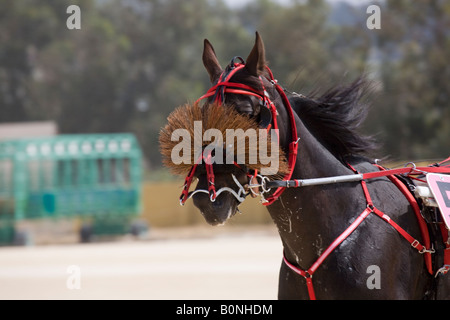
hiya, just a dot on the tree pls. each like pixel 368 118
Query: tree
pixel 25 28
pixel 413 110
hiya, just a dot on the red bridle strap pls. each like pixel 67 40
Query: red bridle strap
pixel 293 145
pixel 246 90
pixel 209 176
pixel 187 184
pixel 223 86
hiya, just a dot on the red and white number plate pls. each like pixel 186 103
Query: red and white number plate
pixel 440 188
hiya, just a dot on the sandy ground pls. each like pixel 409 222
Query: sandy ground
pixel 226 265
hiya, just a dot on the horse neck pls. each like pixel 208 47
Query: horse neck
pixel 313 159
pixel 300 212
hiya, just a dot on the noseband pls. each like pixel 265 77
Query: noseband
pixel 268 119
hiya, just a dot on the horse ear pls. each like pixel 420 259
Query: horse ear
pixel 210 61
pixel 256 60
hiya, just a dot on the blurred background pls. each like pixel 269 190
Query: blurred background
pixel 81 109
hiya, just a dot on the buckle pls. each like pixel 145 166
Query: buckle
pixel 415 243
pixel 424 250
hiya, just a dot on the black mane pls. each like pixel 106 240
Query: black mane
pixel 335 117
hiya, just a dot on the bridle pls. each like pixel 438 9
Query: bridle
pixel 268 117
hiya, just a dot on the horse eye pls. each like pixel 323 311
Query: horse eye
pixel 246 108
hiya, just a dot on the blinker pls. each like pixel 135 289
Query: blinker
pixel 265 116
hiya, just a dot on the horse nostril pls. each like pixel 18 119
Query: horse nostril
pixel 217 203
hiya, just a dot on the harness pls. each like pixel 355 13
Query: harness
pixel 225 85
pixel 426 248
pixel 217 92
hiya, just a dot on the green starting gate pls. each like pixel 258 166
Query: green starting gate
pixel 95 176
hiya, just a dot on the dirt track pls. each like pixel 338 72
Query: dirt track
pixel 228 266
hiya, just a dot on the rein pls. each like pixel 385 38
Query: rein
pixel 217 92
pixel 296 183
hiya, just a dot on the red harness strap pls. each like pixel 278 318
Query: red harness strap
pixel 422 224
pixel 405 170
pixel 446 238
pixel 307 274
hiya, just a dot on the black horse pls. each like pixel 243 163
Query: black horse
pixel 310 218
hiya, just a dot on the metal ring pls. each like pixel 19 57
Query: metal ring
pixel 264 181
pixel 413 165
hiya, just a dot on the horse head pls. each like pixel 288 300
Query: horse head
pixel 249 89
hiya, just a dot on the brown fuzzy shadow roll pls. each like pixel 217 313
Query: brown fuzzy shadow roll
pixel 226 120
